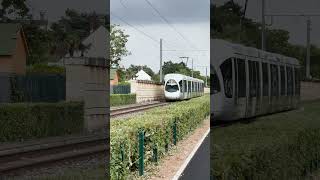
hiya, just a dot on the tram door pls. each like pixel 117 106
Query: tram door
pixel 254 90
pixel 240 82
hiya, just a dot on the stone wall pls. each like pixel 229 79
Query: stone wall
pixel 310 91
pixel 87 81
pixel 147 91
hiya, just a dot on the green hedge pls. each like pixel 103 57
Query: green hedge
pixel 280 146
pixel 44 68
pixel 157 126
pixel 122 99
pixel 25 121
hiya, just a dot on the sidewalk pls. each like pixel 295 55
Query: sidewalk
pixel 179 156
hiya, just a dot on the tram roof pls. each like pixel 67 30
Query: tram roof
pixel 181 77
pixel 222 50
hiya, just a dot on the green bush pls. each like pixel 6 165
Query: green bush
pixel 122 99
pixel 25 121
pixel 280 146
pixel 44 68
pixel 157 126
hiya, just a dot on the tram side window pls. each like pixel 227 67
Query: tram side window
pixel 283 81
pixel 241 78
pixel 274 80
pixel 181 86
pixel 185 86
pixel 226 70
pixel 290 80
pixel 258 78
pixel 252 79
pixel 297 81
pixel 215 83
pixel 265 77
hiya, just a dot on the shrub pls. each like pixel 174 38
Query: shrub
pixel 122 99
pixel 280 146
pixel 44 68
pixel 24 121
pixel 157 127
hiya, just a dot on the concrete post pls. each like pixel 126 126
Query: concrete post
pixel 87 80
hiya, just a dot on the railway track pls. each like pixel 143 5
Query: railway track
pixel 27 155
pixel 135 108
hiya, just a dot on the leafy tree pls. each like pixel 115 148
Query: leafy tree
pixel 70 30
pixel 225 24
pixel 118 40
pixel 133 69
pixel 180 68
pixel 14 7
pixel 38 41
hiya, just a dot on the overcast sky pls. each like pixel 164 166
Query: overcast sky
pixel 295 25
pixel 55 8
pixel 190 18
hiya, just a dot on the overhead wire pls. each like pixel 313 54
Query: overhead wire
pixel 170 43
pixel 142 32
pixel 166 20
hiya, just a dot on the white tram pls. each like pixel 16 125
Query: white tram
pixel 247 82
pixel 179 87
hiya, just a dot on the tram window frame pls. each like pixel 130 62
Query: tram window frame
pixel 265 79
pixel 274 80
pixel 172 89
pixel 289 81
pixel 181 86
pixel 242 78
pixel 252 79
pixel 297 81
pixel 214 81
pixel 185 86
pixel 258 80
pixel 226 71
pixel 283 81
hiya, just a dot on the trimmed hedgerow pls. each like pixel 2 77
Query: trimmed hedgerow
pixel 44 68
pixel 157 127
pixel 122 99
pixel 279 146
pixel 22 121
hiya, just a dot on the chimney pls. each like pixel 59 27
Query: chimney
pixel 42 14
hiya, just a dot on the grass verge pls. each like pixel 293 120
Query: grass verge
pixel 280 146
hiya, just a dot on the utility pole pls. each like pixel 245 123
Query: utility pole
pixel 263 26
pixel 207 76
pixel 192 68
pixel 161 61
pixel 308 49
pixel 308 45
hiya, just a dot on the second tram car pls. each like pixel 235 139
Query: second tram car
pixel 180 87
pixel 247 82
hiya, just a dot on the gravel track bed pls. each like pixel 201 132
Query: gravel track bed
pixel 59 168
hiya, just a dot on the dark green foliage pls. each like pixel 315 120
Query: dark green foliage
pixel 280 146
pixel 44 68
pixel 157 125
pixel 27 121
pixel 181 68
pixel 226 20
pixel 122 99
pixel 18 7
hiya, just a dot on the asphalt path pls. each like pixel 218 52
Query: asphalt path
pixel 199 166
